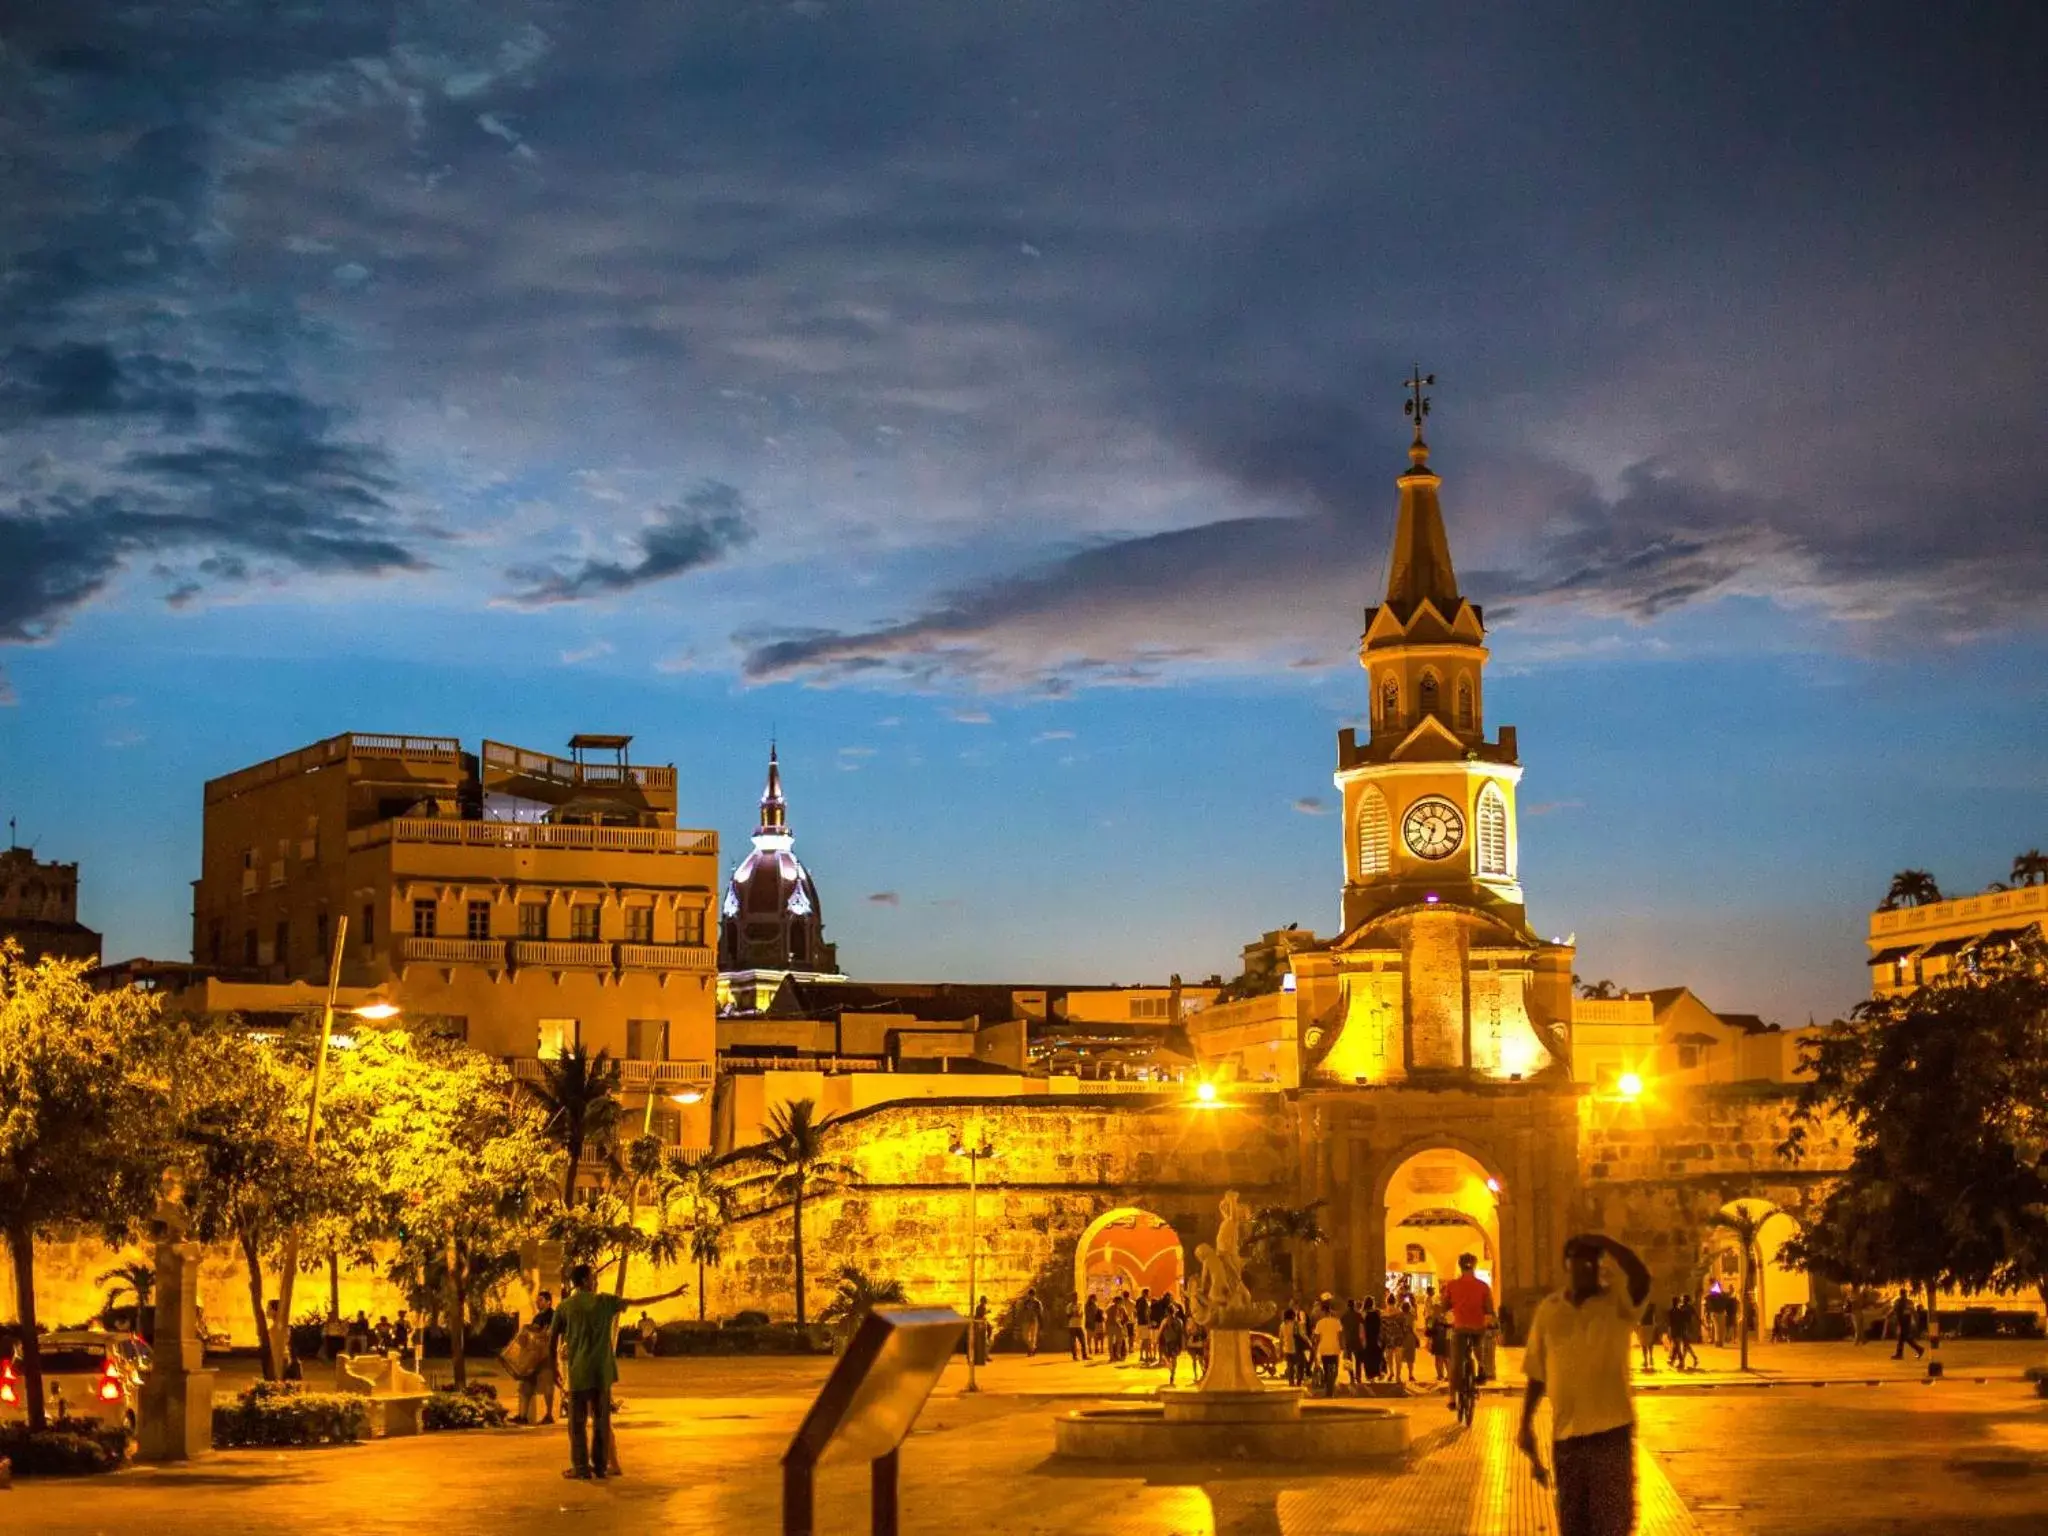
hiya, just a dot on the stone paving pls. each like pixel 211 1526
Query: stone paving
pixel 701 1441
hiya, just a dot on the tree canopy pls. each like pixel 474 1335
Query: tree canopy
pixel 1947 1089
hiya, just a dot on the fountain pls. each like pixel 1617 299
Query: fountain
pixel 1230 1413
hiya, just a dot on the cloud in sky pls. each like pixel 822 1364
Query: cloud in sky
pixel 583 653
pixel 885 899
pixel 708 524
pixel 1311 805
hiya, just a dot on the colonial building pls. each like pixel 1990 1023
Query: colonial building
pixel 39 908
pixel 525 901
pixel 1910 946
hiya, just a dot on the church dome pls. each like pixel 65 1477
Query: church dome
pixel 771 918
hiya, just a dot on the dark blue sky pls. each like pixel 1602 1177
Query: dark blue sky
pixel 1001 402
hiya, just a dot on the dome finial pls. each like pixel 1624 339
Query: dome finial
pixel 1415 408
pixel 774 815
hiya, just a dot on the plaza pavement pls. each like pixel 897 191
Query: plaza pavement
pixel 701 1439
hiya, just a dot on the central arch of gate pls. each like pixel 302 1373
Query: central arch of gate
pixel 1412 1178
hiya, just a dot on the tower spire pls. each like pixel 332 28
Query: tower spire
pixel 1421 566
pixel 774 813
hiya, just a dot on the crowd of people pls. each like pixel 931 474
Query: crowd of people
pixel 1157 1330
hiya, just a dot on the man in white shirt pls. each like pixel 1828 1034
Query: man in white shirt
pixel 1578 1353
pixel 1329 1340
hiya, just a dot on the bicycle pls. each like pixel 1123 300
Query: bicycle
pixel 1465 1381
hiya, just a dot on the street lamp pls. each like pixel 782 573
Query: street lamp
pixel 377 1010
pixel 975 1157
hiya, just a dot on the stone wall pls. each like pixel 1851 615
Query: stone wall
pixel 903 1212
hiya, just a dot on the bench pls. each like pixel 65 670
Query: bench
pixel 396 1394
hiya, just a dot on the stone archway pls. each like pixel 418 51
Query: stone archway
pixel 1435 1201
pixel 1776 1284
pixel 1126 1250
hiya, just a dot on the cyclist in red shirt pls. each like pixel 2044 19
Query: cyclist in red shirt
pixel 1471 1302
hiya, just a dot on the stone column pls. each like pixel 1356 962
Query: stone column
pixel 176 1415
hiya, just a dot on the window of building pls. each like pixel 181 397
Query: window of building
pixel 647 1039
pixel 426 917
pixel 667 1126
pixel 639 925
pixel 1390 703
pixel 1427 703
pixel 1464 704
pixel 1688 1056
pixel 533 920
pixel 248 858
pixel 1493 831
pixel 558 1036
pixel 1374 833
pixel 690 926
pixel 583 919
pixel 478 922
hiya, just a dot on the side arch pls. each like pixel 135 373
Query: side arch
pixel 1491 829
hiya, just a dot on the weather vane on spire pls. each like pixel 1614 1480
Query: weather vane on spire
pixel 1418 407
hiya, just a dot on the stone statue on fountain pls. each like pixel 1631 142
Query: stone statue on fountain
pixel 1222 1303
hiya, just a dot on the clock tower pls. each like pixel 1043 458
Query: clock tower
pixel 1437 969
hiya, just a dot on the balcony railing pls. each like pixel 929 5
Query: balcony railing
pixel 665 957
pixel 555 953
pixel 2029 899
pixel 632 1074
pixel 562 770
pixel 454 951
pixel 433 749
pixel 532 835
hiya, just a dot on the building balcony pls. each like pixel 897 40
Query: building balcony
pixel 453 951
pixel 567 772
pixel 633 1075
pixel 2029 903
pixel 531 836
pixel 666 957
pixel 442 751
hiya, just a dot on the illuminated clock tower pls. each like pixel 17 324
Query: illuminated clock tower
pixel 1436 969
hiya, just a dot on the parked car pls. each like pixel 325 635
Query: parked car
pixel 87 1374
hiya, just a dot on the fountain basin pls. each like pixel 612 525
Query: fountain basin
pixel 1270 1426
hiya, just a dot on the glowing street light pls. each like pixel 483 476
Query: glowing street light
pixel 1205 1093
pixel 376 1012
pixel 975 1157
pixel 1630 1085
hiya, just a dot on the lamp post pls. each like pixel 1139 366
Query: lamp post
pixel 372 1011
pixel 975 1156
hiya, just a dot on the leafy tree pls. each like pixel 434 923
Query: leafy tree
pixel 1277 1231
pixel 699 1188
pixel 1947 1090
pixel 242 1126
pixel 135 1280
pixel 795 1151
pixel 579 1094
pixel 83 1119
pixel 1910 888
pixel 1603 989
pixel 856 1295
pixel 2030 868
pixel 1743 1220
pixel 462 1167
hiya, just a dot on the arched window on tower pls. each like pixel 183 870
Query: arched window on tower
pixel 1426 703
pixel 1464 703
pixel 1375 833
pixel 1390 703
pixel 1493 831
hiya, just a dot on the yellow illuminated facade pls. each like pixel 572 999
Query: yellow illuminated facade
pixel 1911 946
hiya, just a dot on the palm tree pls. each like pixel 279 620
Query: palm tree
pixel 136 1279
pixel 1910 888
pixel 580 1094
pixel 1743 1223
pixel 699 1185
pixel 1275 1230
pixel 1602 989
pixel 2030 868
pixel 859 1294
pixel 796 1151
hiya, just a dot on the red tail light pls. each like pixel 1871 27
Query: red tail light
pixel 8 1395
pixel 110 1390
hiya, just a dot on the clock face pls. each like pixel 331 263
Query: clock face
pixel 1433 829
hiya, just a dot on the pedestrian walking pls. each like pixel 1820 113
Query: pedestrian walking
pixel 1646 1336
pixel 1399 1330
pixel 1329 1344
pixel 978 1332
pixel 401 1334
pixel 1172 1337
pixel 1077 1333
pixel 1440 1338
pixel 532 1362
pixel 1577 1355
pixel 1096 1323
pixel 1372 1328
pixel 1288 1329
pixel 1030 1315
pixel 1903 1321
pixel 583 1325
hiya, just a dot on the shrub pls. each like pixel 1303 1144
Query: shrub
pixel 68 1448
pixel 747 1319
pixel 756 1339
pixel 279 1413
pixel 474 1407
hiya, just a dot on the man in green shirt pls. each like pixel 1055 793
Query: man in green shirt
pixel 583 1325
